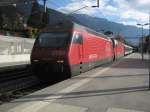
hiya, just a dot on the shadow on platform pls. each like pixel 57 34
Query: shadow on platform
pixel 80 94
pixel 111 76
pixel 132 64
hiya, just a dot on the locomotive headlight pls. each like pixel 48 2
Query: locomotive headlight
pixel 35 60
pixel 60 61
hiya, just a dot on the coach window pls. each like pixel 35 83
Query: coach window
pixel 78 39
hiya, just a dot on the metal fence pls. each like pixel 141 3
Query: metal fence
pixel 15 45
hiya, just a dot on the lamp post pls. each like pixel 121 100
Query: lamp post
pixel 149 50
pixel 45 7
pixel 142 25
pixel 97 4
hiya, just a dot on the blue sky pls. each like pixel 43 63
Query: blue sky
pixel 128 12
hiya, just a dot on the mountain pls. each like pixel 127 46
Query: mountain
pixel 131 33
pixel 102 25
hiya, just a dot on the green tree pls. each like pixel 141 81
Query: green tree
pixel 17 24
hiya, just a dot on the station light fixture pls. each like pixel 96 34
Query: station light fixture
pixel 142 25
pixel 96 5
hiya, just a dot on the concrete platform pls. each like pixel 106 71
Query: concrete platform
pixel 15 50
pixel 14 61
pixel 119 87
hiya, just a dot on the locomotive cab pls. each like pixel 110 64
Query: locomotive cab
pixel 50 52
pixel 57 49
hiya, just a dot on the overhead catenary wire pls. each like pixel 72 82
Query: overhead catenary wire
pixel 149 49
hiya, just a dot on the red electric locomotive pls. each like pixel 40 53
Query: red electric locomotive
pixel 70 48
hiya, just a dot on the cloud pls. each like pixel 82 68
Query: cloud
pixel 126 11
pixel 140 4
pixel 134 14
pixel 77 4
pixel 110 8
pixel 136 10
pixel 129 22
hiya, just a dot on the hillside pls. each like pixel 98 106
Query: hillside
pixel 102 25
pixel 99 24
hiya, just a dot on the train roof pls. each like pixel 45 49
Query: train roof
pixel 84 28
pixel 68 24
pixel 60 26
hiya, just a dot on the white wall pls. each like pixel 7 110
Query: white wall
pixel 15 49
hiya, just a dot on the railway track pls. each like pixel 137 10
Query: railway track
pixel 17 79
pixel 15 83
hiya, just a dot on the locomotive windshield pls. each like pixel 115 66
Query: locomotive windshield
pixel 53 39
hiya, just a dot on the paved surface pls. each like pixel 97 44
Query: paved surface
pixel 120 87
